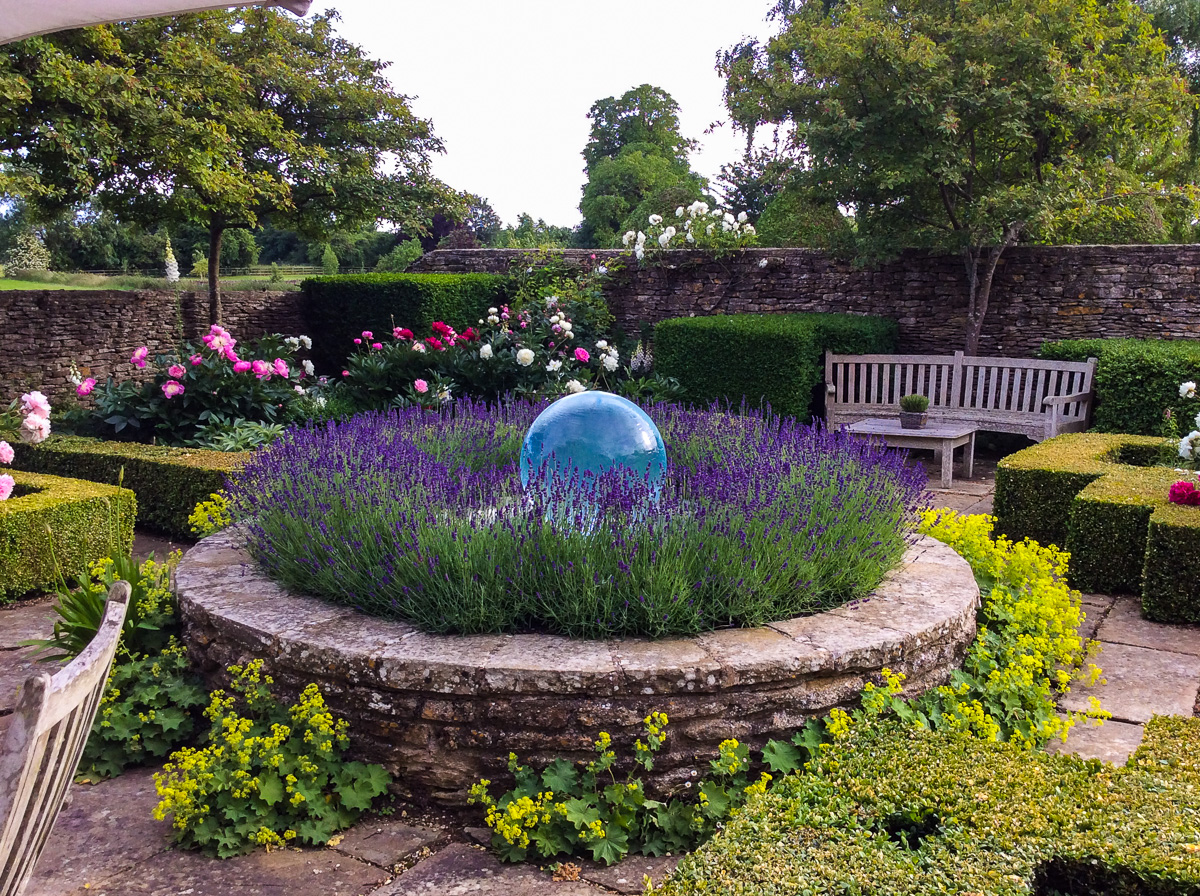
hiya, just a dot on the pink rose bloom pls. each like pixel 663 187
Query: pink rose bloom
pixel 367 334
pixel 34 429
pixel 35 403
pixel 241 366
pixel 138 359
pixel 377 345
pixel 581 355
pixel 281 367
pixel 6 486
pixel 85 388
pixel 6 453
pixel 196 360
pixel 176 372
pixel 421 386
pixel 261 369
pixel 171 388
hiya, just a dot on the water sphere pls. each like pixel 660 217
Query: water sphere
pixel 581 436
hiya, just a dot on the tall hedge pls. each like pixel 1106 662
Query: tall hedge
pixel 1136 380
pixel 773 358
pixel 337 309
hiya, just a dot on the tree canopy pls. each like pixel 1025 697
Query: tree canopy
pixel 966 125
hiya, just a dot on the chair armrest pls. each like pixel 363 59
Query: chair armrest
pixel 1066 399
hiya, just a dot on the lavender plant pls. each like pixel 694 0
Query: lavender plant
pixel 419 515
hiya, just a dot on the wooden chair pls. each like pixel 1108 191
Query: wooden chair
pixel 44 743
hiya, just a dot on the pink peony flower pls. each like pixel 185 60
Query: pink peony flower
pixel 85 388
pixel 196 360
pixel 358 342
pixel 376 345
pixel 436 344
pixel 176 372
pixel 345 373
pixel 138 359
pixel 35 403
pixel 171 388
pixel 6 453
pixel 34 429
pixel 367 334
pixel 402 333
pixel 1184 492
pixel 261 369
pixel 241 366
pixel 230 355
pixel 581 355
pixel 421 386
pixel 281 367
pixel 7 484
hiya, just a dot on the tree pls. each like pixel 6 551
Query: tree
pixel 966 125
pixel 533 234
pixel 246 116
pixel 634 152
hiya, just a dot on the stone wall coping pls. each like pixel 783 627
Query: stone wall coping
pixel 930 595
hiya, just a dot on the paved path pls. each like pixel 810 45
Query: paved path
pixel 107 844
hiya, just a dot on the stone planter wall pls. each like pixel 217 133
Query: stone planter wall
pixel 442 711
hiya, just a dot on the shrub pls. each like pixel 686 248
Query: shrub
pixel 27 254
pixel 329 261
pixel 910 812
pixel 1169 591
pixel 914 404
pixel 1136 379
pixel 53 523
pixel 399 258
pixel 339 308
pixel 745 531
pixel 271 774
pixel 771 358
pixel 169 482
pixel 793 219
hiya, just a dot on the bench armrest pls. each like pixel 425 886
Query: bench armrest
pixel 1066 399
pixel 830 389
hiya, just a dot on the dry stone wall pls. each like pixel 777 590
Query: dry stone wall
pixel 1040 293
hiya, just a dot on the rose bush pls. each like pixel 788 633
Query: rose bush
pixel 697 226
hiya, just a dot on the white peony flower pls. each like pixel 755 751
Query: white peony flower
pixel 485 351
pixel 574 386
pixel 555 318
pixel 554 366
pixel 525 357
pixel 567 326
pixel 492 319
pixel 305 342
pixel 628 237
pixel 655 219
pixel 610 363
pixel 729 219
pixel 749 228
pixel 308 367
pixel 742 217
pixel 1187 390
pixel 493 311
pixel 602 344
pixel 418 346
pixel 292 342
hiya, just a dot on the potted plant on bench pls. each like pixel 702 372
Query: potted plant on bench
pixel 913 411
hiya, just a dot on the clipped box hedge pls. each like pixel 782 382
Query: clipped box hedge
pixel 772 358
pixel 909 813
pixel 337 309
pixel 1091 494
pixel 168 482
pixel 52 523
pixel 1136 380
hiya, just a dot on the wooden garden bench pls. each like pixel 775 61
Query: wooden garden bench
pixel 44 742
pixel 1036 398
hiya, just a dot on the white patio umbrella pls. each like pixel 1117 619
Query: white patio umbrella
pixel 27 18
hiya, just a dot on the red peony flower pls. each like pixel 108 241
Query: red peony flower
pixel 1184 492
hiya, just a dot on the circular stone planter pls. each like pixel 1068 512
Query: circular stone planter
pixel 442 711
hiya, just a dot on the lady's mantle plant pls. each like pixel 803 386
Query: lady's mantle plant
pixel 26 419
pixel 270 775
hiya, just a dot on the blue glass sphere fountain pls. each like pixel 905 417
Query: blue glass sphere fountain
pixel 582 436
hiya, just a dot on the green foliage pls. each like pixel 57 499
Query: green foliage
pixel 532 234
pixel 566 810
pixel 329 261
pixel 270 775
pixel 645 116
pixel 397 260
pixel 168 482
pixel 716 232
pixel 1137 380
pixel 914 404
pixel 27 254
pixel 772 358
pixel 913 813
pixel 617 188
pixel 1094 494
pixel 53 524
pixel 340 308
pixel 793 218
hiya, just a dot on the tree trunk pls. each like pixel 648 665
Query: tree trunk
pixel 215 233
pixel 979 283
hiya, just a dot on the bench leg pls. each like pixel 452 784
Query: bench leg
pixel 969 459
pixel 947 453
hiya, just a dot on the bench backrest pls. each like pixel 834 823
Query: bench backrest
pixel 44 742
pixel 1007 394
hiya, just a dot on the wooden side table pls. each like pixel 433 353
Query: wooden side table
pixel 943 438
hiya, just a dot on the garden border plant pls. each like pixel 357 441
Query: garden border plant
pixel 1114 518
pixel 54 526
pixel 169 482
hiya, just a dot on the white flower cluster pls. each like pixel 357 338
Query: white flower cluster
pixel 609 356
pixel 1189 445
pixel 700 226
pixel 574 386
pixel 638 239
pixel 295 343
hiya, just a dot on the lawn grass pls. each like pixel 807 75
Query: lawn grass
pixel 6 283
pixel 58 280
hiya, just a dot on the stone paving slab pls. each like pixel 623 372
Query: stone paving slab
pixel 1125 625
pixel 107 829
pixel 283 872
pixel 1095 607
pixel 460 869
pixel 1141 683
pixel 15 667
pixel 629 876
pixel 386 844
pixel 1112 742
pixel 23 621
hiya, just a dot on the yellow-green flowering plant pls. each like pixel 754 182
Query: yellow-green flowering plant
pixel 270 775
pixel 211 515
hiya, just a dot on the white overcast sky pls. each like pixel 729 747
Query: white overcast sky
pixel 508 84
